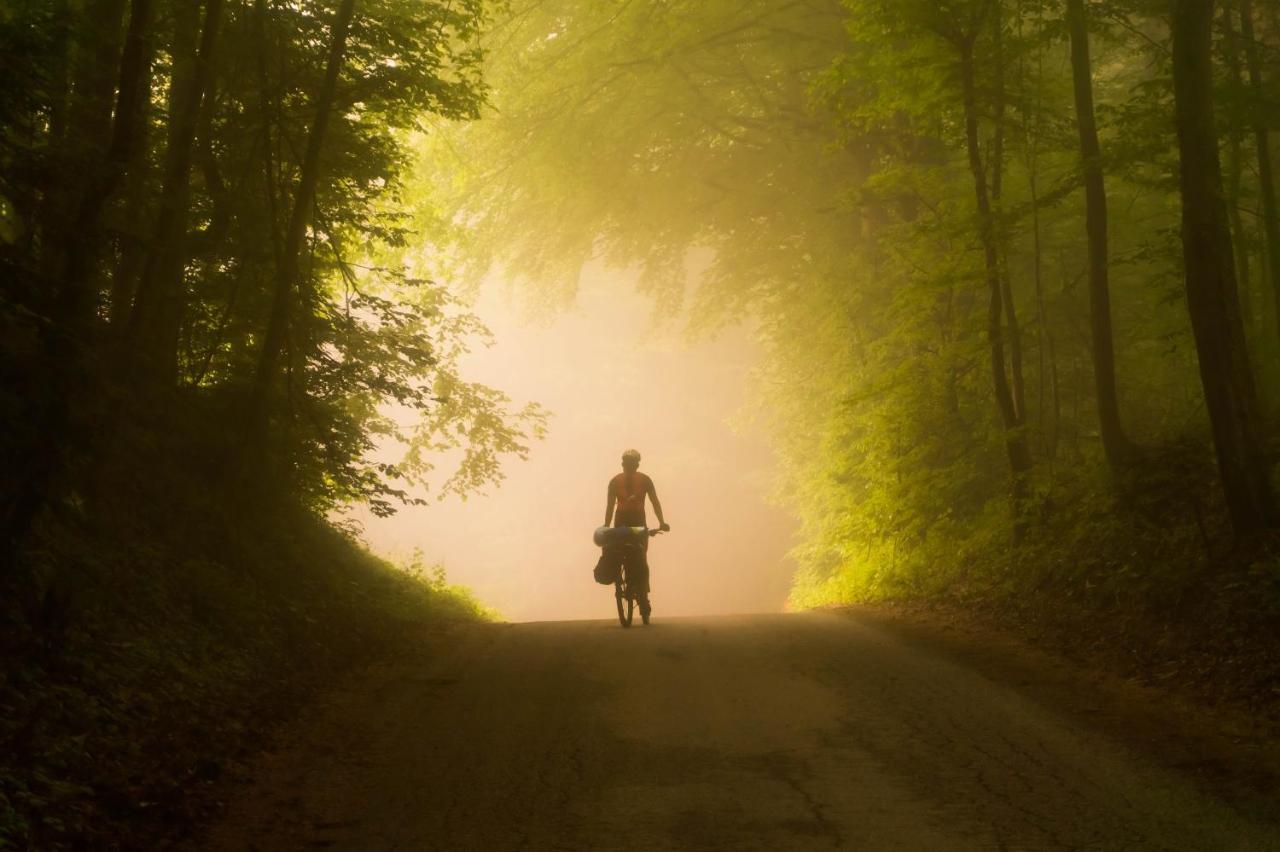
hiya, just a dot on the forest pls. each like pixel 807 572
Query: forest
pixel 1014 266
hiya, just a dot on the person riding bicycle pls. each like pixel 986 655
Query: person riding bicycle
pixel 624 507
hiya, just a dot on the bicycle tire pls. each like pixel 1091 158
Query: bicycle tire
pixel 626 604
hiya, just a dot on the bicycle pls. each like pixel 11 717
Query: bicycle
pixel 627 544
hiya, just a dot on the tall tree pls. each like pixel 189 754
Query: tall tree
pixel 1235 163
pixel 1262 142
pixel 1212 298
pixel 964 38
pixel 1012 327
pixel 40 466
pixel 161 298
pixel 131 235
pixel 287 275
pixel 104 145
pixel 81 125
pixel 1114 443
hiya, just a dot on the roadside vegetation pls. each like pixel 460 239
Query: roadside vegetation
pixel 153 657
pixel 209 321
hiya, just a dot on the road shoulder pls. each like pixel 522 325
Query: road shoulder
pixel 1229 751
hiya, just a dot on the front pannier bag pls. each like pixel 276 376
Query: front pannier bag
pixel 609 569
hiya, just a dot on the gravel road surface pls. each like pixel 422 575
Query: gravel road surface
pixel 795 731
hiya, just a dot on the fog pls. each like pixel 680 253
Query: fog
pixel 611 380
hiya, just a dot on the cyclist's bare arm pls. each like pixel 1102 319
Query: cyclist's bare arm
pixel 609 499
pixel 657 506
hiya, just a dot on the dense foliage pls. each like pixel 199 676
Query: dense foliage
pixel 211 339
pixel 956 227
pixel 202 233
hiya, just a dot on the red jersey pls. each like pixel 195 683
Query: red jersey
pixel 630 489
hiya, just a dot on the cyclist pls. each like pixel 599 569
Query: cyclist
pixel 626 494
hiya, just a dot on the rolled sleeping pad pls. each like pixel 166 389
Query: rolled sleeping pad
pixel 605 536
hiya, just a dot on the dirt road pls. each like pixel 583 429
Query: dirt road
pixel 806 731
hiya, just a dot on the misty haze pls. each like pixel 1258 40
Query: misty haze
pixel 612 377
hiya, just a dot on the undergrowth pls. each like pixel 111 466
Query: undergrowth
pixel 153 640
pixel 1138 569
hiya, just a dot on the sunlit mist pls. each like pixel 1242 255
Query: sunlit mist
pixel 612 380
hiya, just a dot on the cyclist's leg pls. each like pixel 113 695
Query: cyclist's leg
pixel 639 573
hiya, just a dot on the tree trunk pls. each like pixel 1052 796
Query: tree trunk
pixel 80 128
pixel 1014 330
pixel 60 74
pixel 76 296
pixel 1046 368
pixel 1235 172
pixel 210 239
pixel 1225 372
pixel 1114 443
pixel 94 81
pixel 1266 176
pixel 303 199
pixel 161 299
pixel 1015 438
pixel 269 108
pixel 53 209
pixel 64 343
pixel 132 251
pixel 1045 348
pixel 132 241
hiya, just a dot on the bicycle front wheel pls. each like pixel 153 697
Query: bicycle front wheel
pixel 626 604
